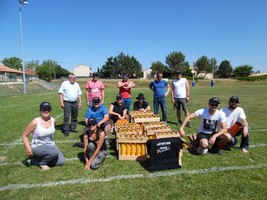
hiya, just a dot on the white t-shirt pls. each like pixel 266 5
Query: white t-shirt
pixel 210 124
pixel 70 91
pixel 179 88
pixel 232 116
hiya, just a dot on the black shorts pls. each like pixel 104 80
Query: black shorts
pixel 202 135
pixel 106 123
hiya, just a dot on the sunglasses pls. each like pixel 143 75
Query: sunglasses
pixel 46 110
pixel 233 102
pixel 216 105
pixel 91 125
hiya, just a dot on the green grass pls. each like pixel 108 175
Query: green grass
pixel 193 182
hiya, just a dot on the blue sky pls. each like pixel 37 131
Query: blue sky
pixel 88 32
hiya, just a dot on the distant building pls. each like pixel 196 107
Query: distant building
pixel 82 71
pixel 31 74
pixel 147 74
pixel 8 74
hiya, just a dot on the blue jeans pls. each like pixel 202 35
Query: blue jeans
pixel 127 102
pixel 162 103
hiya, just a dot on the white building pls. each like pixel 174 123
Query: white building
pixel 147 73
pixel 82 71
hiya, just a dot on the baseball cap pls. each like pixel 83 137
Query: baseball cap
pixel 214 100
pixel 45 106
pixel 178 72
pixel 96 100
pixel 234 99
pixel 118 97
pixel 91 122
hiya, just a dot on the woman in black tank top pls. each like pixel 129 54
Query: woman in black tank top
pixel 95 148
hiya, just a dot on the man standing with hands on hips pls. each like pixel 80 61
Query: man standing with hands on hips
pixel 160 89
pixel 70 101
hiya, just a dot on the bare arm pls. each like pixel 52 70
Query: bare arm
pixel 80 101
pixel 87 96
pixel 102 96
pixel 29 129
pixel 105 118
pixel 61 100
pixel 187 90
pixel 172 93
pixel 85 145
pixel 99 145
pixel 168 89
pixel 221 132
pixel 189 117
pixel 245 129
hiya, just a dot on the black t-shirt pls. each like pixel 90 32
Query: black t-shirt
pixel 119 109
pixel 137 106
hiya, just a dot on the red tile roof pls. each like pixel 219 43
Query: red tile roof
pixel 10 70
pixel 30 72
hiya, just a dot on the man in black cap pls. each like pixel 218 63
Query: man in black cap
pixel 117 110
pixel 141 104
pixel 234 114
pixel 212 127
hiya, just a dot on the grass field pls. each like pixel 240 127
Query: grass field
pixel 232 176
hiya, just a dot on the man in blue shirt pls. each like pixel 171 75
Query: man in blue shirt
pixel 161 89
pixel 99 112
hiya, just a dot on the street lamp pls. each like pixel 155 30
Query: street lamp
pixel 22 3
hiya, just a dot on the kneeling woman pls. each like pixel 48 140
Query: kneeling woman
pixel 95 148
pixel 43 145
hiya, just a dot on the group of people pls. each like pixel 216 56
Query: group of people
pixel 99 119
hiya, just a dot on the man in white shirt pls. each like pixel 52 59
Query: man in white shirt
pixel 236 114
pixel 70 101
pixel 180 93
pixel 212 128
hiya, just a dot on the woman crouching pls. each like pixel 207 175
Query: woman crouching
pixel 95 148
pixel 43 146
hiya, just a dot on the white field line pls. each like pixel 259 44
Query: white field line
pixel 109 156
pixel 132 176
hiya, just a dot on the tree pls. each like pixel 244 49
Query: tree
pixel 158 67
pixel 225 69
pixel 44 72
pixel 32 64
pixel 243 71
pixel 13 62
pixel 176 61
pixel 50 69
pixel 121 64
